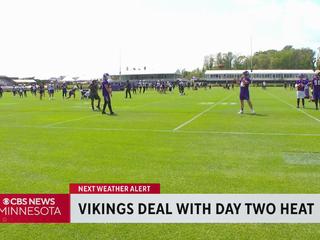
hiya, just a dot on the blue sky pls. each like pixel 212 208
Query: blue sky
pixel 87 37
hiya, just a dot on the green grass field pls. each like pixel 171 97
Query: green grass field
pixel 189 144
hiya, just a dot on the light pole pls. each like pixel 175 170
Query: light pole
pixel 251 53
pixel 120 77
pixel 318 58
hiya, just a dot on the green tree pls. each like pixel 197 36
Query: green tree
pixel 287 58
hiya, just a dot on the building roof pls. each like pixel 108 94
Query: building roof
pixel 269 71
pixel 24 81
pixel 145 72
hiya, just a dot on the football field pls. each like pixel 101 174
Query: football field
pixel 196 143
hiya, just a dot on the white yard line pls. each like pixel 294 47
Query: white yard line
pixel 294 107
pixel 200 114
pixel 170 131
pixel 251 133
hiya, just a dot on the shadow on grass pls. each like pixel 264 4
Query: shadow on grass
pixel 256 115
pixel 309 108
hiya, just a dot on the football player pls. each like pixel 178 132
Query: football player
pixel 1 91
pixel 300 90
pixel 94 94
pixel 107 94
pixel 41 90
pixel 64 90
pixel 316 88
pixel 128 89
pixel 51 90
pixel 244 92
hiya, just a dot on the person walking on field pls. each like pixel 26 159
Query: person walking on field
pixel 51 90
pixel 300 91
pixel 41 90
pixel 64 90
pixel 128 89
pixel 94 94
pixel 316 89
pixel 107 94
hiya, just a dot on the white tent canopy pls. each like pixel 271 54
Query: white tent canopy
pixel 69 79
pixel 84 78
pixel 28 81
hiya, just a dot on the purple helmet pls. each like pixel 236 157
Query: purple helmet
pixel 105 76
pixel 245 73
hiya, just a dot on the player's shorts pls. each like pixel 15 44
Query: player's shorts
pixel 51 91
pixel 94 96
pixel 106 98
pixel 300 94
pixel 244 94
pixel 316 94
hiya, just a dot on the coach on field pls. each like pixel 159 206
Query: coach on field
pixel 94 94
pixel 107 94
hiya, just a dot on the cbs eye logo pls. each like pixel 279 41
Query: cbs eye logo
pixel 6 201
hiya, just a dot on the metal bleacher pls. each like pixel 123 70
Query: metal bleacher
pixel 6 81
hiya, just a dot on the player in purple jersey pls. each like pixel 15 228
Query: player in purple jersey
pixel 316 88
pixel 20 90
pixel 72 92
pixel 64 90
pixel 300 90
pixel 51 90
pixel 306 88
pixel 244 92
pixel 14 90
pixel 107 94
pixel 93 95
pixel 41 90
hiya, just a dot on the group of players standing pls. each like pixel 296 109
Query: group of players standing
pixel 159 86
pixel 303 86
pixel 20 90
pixel 106 93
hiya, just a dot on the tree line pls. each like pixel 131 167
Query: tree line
pixel 287 58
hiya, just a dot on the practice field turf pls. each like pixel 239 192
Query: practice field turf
pixel 189 144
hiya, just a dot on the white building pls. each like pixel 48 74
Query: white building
pixel 257 75
pixel 147 75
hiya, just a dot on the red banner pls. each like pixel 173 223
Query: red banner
pixel 34 208
pixel 116 188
